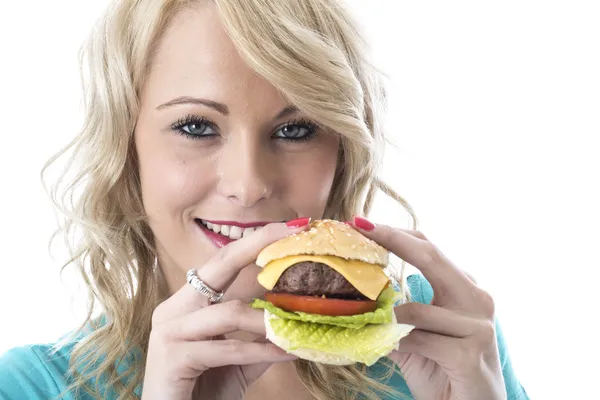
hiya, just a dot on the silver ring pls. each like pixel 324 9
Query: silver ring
pixel 202 288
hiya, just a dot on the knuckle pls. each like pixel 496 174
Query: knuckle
pixel 237 307
pixel 471 277
pixel 387 234
pixel 487 304
pixel 158 336
pixel 431 254
pixel 182 357
pixel 421 235
pixel 418 338
pixel 158 315
pixel 486 331
pixel 186 357
pixel 233 346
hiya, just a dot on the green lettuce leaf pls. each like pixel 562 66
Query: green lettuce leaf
pixel 365 345
pixel 381 315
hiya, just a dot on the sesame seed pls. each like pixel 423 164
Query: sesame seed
pixel 353 246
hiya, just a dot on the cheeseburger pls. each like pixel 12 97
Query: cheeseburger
pixel 329 299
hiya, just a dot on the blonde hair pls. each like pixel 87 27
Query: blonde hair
pixel 312 51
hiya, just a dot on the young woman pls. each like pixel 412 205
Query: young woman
pixel 249 117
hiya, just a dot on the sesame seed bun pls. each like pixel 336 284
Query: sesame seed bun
pixel 326 238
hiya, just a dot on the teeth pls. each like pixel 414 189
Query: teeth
pixel 233 232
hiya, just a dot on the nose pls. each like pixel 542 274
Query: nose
pixel 245 176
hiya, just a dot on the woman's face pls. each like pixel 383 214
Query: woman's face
pixel 218 143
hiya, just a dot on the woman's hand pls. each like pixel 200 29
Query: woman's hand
pixel 188 354
pixel 452 353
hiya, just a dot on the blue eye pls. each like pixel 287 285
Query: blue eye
pixel 296 131
pixel 195 127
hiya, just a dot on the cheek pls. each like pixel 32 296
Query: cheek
pixel 169 178
pixel 309 180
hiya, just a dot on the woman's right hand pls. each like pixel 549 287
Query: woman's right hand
pixel 188 354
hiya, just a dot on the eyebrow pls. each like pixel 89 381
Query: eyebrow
pixel 286 111
pixel 220 107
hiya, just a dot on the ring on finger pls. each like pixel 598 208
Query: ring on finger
pixel 212 295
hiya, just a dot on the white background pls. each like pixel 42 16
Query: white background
pixel 496 112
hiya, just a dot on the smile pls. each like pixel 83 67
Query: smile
pixel 231 230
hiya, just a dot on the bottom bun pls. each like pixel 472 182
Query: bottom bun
pixel 307 353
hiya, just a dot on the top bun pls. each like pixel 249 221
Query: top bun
pixel 326 238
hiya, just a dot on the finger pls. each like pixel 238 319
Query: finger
pixel 420 235
pixel 218 319
pixel 417 234
pixel 435 319
pixel 203 355
pixel 446 279
pixel 439 348
pixel 221 270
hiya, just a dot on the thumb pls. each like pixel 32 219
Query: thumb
pixel 254 371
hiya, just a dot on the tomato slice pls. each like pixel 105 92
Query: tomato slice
pixel 319 305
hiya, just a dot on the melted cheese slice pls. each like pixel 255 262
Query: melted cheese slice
pixel 369 279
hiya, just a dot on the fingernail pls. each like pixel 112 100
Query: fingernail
pixel 364 224
pixel 298 222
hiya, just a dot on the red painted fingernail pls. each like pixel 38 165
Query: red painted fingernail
pixel 298 222
pixel 363 224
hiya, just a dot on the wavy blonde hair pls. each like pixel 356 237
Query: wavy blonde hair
pixel 312 51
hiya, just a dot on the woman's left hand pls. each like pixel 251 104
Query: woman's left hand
pixel 452 352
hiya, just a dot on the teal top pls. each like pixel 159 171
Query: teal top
pixel 35 373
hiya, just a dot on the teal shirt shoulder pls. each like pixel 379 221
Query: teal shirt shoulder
pixel 38 372
pixel 35 372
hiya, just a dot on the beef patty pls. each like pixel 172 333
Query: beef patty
pixel 316 279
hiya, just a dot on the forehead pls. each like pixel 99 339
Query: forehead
pixel 195 56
